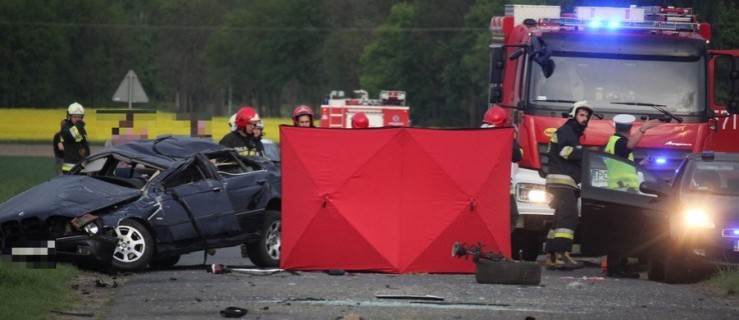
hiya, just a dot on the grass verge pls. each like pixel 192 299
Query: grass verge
pixel 42 293
pixel 20 173
pixel 35 293
pixel 725 283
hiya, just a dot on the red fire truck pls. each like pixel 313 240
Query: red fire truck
pixel 389 110
pixel 651 62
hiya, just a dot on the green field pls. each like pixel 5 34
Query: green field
pixel 19 173
pixel 31 293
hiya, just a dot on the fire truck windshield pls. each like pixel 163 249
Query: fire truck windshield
pixel 615 83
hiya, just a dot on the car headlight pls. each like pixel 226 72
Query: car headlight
pixel 530 192
pixel 91 228
pixel 698 218
pixel 86 222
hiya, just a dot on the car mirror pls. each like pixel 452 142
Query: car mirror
pixel 651 187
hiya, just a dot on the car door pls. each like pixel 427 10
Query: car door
pixel 247 187
pixel 618 220
pixel 193 194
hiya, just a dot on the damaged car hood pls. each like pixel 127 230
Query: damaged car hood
pixel 69 196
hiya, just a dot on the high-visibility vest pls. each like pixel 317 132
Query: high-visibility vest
pixel 620 175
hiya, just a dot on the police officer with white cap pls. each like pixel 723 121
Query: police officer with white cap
pixel 622 143
pixel 622 176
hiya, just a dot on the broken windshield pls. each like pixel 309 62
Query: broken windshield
pixel 609 83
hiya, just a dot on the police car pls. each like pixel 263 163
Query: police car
pixel 685 227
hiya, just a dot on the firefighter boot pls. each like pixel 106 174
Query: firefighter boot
pixel 552 262
pixel 565 262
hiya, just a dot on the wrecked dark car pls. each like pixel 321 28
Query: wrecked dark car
pixel 148 202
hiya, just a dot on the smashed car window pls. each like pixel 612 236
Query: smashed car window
pixel 192 173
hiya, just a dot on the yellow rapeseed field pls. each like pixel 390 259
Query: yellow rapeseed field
pixel 40 125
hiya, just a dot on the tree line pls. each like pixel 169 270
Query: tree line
pixel 212 56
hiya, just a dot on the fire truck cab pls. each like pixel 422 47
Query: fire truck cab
pixel 650 62
pixel 390 110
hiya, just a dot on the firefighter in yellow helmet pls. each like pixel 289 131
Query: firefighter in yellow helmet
pixel 74 137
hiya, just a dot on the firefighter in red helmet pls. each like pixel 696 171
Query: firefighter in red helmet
pixel 360 121
pixel 242 139
pixel 497 117
pixel 303 116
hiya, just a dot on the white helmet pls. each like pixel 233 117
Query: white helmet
pixel 255 118
pixel 75 108
pixel 231 121
pixel 580 105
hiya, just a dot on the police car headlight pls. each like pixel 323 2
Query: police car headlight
pixel 698 218
pixel 529 192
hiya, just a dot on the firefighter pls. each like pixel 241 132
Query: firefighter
pixel 242 139
pixel 303 116
pixel 74 137
pixel 563 177
pixel 258 134
pixel 360 121
pixel 623 177
pixel 231 121
pixel 58 149
pixel 497 117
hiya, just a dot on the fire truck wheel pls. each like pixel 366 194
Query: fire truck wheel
pixel 507 272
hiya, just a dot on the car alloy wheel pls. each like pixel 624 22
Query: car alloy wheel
pixel 134 248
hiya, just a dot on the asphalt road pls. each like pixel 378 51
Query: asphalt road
pixel 187 291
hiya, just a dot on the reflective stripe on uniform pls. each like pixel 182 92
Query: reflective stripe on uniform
pixel 561 179
pixel 67 166
pixel 76 134
pixel 620 175
pixel 551 234
pixel 564 233
pixel 566 152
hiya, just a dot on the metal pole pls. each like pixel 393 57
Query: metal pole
pixel 130 90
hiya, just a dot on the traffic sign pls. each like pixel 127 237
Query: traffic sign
pixel 130 90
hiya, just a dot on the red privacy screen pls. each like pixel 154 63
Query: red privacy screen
pixel 393 199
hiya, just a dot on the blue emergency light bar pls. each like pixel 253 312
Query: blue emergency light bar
pixel 730 233
pixel 624 25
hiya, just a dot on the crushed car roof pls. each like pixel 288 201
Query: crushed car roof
pixel 163 150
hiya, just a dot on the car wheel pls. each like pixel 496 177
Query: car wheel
pixel 672 268
pixel 266 252
pixel 527 243
pixel 164 263
pixel 135 246
pixel 507 272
